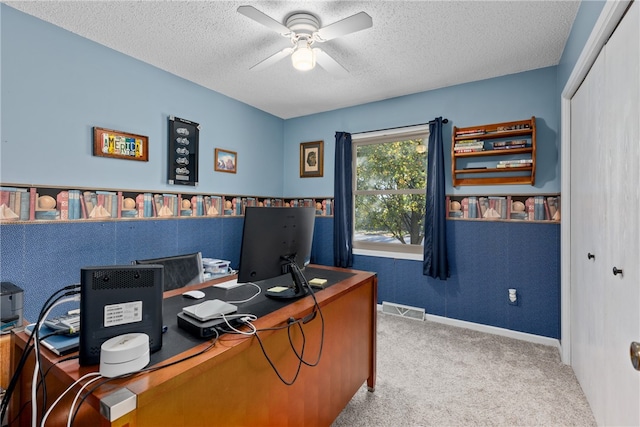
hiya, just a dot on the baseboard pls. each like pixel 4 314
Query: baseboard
pixel 523 336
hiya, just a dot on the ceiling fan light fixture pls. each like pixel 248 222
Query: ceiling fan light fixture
pixel 303 58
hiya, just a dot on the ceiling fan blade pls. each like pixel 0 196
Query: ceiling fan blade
pixel 324 60
pixel 253 13
pixel 272 59
pixel 352 24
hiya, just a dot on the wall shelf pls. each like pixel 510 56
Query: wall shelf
pixel 506 151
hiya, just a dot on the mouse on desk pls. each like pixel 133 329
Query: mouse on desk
pixel 194 294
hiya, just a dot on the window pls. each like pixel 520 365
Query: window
pixel 390 178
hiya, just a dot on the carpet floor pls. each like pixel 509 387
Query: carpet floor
pixel 431 374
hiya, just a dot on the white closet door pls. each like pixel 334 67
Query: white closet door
pixel 588 174
pixel 622 302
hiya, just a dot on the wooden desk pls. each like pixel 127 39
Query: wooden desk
pixel 233 384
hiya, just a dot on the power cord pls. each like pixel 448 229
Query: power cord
pixel 142 371
pixel 297 322
pixel 75 296
pixel 76 382
pixel 67 290
pixel 251 297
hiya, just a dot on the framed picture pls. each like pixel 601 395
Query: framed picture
pixel 311 159
pixel 120 145
pixel 183 152
pixel 225 161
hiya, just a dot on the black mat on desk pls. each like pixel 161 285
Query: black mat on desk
pixel 177 340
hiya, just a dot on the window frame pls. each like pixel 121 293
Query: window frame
pixel 387 250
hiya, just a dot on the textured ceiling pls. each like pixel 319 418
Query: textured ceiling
pixel 412 47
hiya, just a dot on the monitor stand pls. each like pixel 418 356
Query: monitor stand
pixel 297 291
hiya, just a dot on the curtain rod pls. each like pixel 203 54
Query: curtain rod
pixel 399 127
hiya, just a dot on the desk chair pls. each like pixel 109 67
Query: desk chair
pixel 179 270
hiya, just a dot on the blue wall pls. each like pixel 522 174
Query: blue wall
pixel 55 86
pixel 42 258
pixel 514 97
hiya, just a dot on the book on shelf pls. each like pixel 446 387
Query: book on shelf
pixel 25 206
pixel 62 200
pixel 520 126
pixel 459 145
pixel 73 205
pixel 518 142
pixel 510 147
pixel 519 215
pixel 251 201
pixel 163 204
pixel 469 143
pixel 140 205
pixel 554 208
pixel 327 207
pixel 153 206
pixel 547 211
pixel 504 162
pixel 83 205
pixel 95 205
pixel 175 203
pixel 483 203
pixel 468 150
pixel 539 211
pixel 236 204
pixel 512 165
pixel 216 205
pixel 470 132
pixel 14 204
pixel 497 208
pixel 108 202
pixel 144 202
pixel 473 207
pixel 197 208
pixel 530 208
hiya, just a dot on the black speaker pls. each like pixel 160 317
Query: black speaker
pixel 116 300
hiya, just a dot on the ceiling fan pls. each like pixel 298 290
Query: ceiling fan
pixel 303 29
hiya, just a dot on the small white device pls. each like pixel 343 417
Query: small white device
pixel 229 284
pixel 194 294
pixel 124 354
pixel 210 309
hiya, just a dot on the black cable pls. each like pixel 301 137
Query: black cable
pixel 298 322
pixel 317 310
pixel 17 416
pixel 273 366
pixel 39 339
pixel 18 372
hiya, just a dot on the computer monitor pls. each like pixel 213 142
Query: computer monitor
pixel 117 300
pixel 277 241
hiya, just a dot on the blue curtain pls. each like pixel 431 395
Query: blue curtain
pixel 343 202
pixel 435 263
